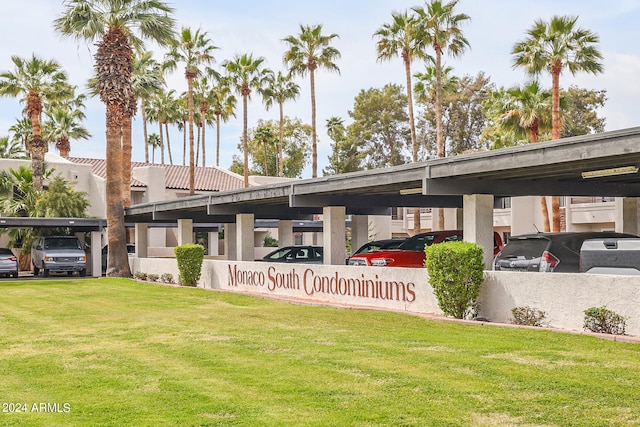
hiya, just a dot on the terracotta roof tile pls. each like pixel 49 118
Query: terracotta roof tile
pixel 177 177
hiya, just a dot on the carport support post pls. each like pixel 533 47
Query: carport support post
pixel 478 223
pixel 230 250
pixel 359 231
pixel 333 235
pixel 245 237
pixel 185 231
pixel 96 253
pixel 285 233
pixel 212 250
pixel 141 239
pixel 626 215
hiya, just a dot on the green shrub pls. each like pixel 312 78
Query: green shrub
pixel 139 275
pixel 603 320
pixel 153 277
pixel 166 278
pixel 270 242
pixel 189 259
pixel 456 272
pixel 527 316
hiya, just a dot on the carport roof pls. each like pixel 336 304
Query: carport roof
pixel 610 160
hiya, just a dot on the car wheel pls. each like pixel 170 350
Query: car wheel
pixel 14 274
pixel 45 272
pixel 83 273
pixel 36 270
pixel 69 273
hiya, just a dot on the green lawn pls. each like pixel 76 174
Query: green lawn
pixel 113 352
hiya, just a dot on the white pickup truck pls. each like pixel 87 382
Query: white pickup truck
pixel 610 256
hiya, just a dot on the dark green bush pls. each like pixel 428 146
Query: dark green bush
pixel 603 320
pixel 527 316
pixel 189 259
pixel 456 272
pixel 270 242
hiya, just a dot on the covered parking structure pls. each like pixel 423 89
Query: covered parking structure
pixel 604 164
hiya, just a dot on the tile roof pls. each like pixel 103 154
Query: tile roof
pixel 177 176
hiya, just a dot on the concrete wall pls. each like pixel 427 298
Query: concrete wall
pixel 563 296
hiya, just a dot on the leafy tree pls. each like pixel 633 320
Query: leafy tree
pixel 581 117
pixel 307 52
pixel 380 122
pixel 346 155
pixel 61 201
pixel 554 46
pixel 36 80
pixel 280 88
pixel 402 38
pixel 246 73
pixel 295 145
pixel 195 49
pixel 114 24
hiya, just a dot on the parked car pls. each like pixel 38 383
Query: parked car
pixel 547 252
pixel 376 245
pixel 59 254
pixel 614 255
pixel 8 263
pixel 293 254
pixel 410 253
pixel 131 251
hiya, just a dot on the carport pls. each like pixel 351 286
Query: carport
pixel 604 164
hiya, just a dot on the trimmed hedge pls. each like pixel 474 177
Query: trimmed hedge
pixel 189 258
pixel 456 272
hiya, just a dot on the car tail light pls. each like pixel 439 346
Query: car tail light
pixel 548 262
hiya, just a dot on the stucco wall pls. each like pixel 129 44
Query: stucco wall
pixel 563 296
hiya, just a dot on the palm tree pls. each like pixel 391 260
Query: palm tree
pixel 553 46
pixel 22 131
pixel 223 104
pixel 11 149
pixel 154 142
pixel 147 80
pixel 205 96
pixel 440 28
pixel 62 126
pixel 246 73
pixel 113 23
pixel 401 38
pixel 194 49
pixel 36 80
pixel 307 52
pixel 280 88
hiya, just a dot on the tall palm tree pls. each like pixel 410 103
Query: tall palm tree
pixel 440 27
pixel 400 38
pixel 554 46
pixel 307 52
pixel 36 80
pixel 280 88
pixel 223 104
pixel 154 142
pixel 246 73
pixel 204 95
pixel 113 24
pixel 195 50
pixel 147 80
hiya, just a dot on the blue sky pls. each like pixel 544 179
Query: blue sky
pixel 258 27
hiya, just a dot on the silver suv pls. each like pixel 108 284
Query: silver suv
pixel 59 254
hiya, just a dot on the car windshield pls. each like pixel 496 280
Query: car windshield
pixel 524 248
pixel 62 243
pixel 281 253
pixel 417 243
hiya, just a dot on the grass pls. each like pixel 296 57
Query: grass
pixel 121 353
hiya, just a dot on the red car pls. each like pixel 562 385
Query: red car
pixel 411 252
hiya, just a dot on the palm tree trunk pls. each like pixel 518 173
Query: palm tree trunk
pixel 198 136
pixel 217 139
pixel 545 213
pixel 144 130
pixel 314 134
pixel 126 160
pixel 191 142
pixel 184 142
pixel 161 145
pixel 118 261
pixel 280 159
pixel 204 158
pixel 166 131
pixel 555 134
pixel 245 144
